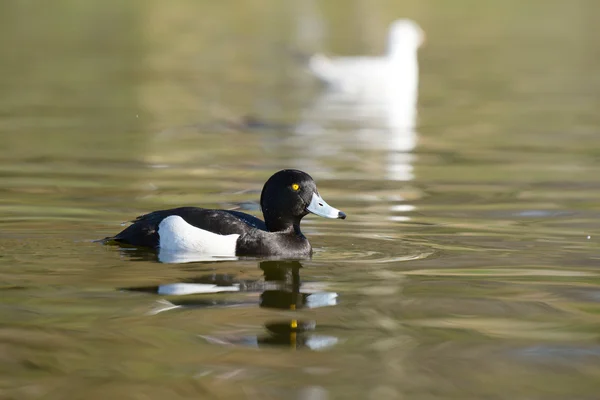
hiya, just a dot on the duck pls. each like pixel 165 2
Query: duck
pixel 397 68
pixel 287 197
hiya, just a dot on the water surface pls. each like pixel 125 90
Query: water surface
pixel 467 267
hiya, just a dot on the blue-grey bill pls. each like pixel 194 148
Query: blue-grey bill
pixel 318 207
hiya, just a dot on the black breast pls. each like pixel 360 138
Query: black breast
pixel 290 244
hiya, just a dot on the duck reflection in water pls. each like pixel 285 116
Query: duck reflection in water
pixel 280 288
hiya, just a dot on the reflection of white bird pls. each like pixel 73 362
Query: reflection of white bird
pixel 360 76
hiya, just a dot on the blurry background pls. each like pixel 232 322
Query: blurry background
pixel 470 274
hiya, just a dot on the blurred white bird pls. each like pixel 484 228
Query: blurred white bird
pixel 361 76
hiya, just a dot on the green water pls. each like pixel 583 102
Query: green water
pixel 474 276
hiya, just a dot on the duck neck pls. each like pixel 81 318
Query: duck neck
pixel 278 224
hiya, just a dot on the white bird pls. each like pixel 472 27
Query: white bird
pixel 361 76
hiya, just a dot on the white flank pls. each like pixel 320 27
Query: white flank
pixel 177 235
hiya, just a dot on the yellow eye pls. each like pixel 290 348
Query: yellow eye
pixel 295 187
